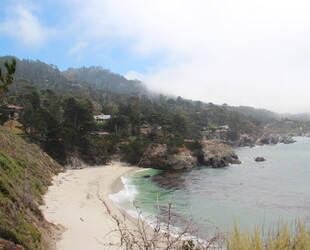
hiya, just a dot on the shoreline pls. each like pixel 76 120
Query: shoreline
pixel 78 201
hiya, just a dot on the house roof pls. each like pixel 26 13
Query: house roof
pixel 102 133
pixel 15 107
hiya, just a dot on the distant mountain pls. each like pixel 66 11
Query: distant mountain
pixel 266 116
pixel 263 115
pixel 73 81
pixel 106 80
pixel 43 76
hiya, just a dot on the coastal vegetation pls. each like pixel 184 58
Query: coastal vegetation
pixel 57 117
pixel 25 173
pixel 59 108
pixel 290 238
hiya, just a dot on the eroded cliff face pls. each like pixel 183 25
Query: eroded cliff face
pixel 25 173
pixel 218 154
pixel 157 156
pixel 212 154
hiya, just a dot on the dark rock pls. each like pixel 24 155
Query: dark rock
pixel 267 139
pixel 260 159
pixel 244 140
pixel 146 176
pixel 286 140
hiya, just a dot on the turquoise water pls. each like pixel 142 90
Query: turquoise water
pixel 252 193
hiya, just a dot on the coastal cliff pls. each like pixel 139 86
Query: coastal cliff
pixel 25 173
pixel 210 153
pixel 218 155
pixel 158 156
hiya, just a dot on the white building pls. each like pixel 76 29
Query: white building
pixel 101 118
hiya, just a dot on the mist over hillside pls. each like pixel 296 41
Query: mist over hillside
pixel 73 81
pixel 267 116
pixel 106 80
pixel 99 81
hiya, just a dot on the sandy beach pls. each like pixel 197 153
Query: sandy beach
pixel 79 202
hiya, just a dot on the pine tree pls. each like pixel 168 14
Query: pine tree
pixel 7 79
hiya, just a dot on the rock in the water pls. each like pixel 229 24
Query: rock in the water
pixel 259 159
pixel 218 154
pixel 267 139
pixel 146 176
pixel 212 153
pixel 286 140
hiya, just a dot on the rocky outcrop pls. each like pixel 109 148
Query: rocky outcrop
pixel 182 160
pixel 286 140
pixel 157 156
pixel 243 141
pixel 274 139
pixel 212 154
pixel 267 139
pixel 260 159
pixel 218 155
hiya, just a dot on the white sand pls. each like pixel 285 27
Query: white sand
pixel 75 200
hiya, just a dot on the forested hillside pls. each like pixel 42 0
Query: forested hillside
pixel 42 76
pixel 73 81
pixel 59 109
pixel 266 116
pixel 105 80
pixel 58 115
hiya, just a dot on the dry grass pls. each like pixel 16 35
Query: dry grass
pixel 13 126
pixel 296 237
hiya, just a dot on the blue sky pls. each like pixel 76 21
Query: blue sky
pixel 240 52
pixel 51 37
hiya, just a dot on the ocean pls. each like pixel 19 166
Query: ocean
pixel 264 194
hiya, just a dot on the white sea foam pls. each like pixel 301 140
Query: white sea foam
pixel 125 195
pixel 125 200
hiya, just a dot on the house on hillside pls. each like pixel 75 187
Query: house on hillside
pixel 101 118
pixel 15 111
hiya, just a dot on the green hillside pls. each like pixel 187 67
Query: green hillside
pixel 25 173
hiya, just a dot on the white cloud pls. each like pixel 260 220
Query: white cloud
pixel 235 51
pixel 134 75
pixel 78 47
pixel 23 26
